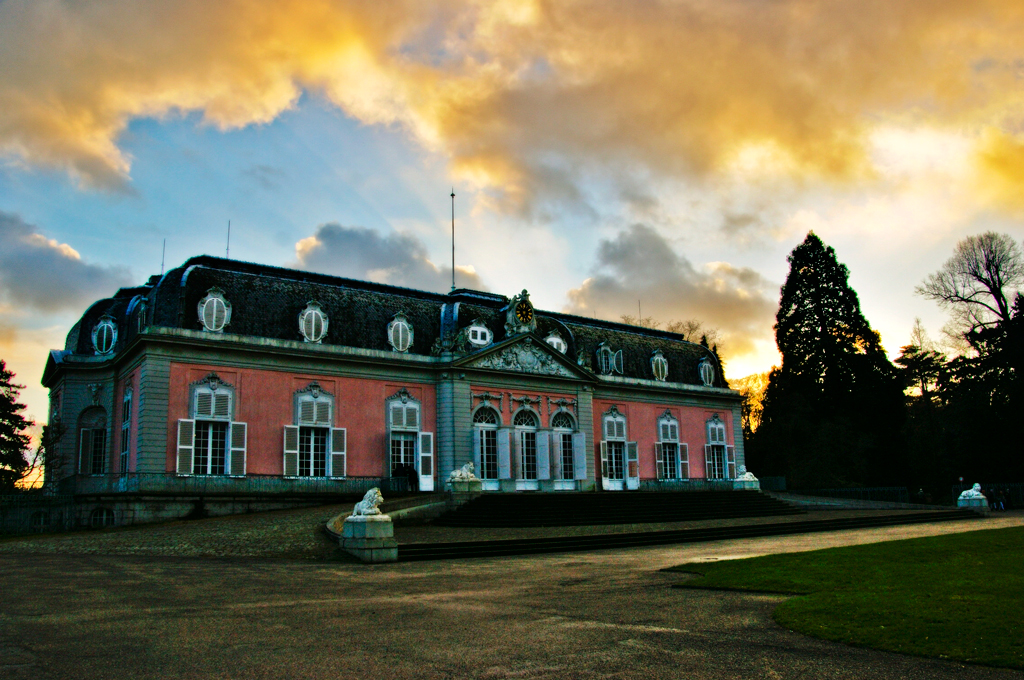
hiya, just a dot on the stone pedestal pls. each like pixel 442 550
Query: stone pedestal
pixel 746 484
pixel 977 504
pixel 371 538
pixel 464 490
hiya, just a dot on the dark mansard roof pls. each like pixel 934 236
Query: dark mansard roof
pixel 266 302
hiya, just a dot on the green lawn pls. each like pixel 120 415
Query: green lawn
pixel 954 597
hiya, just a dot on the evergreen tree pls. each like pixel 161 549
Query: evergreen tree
pixel 833 410
pixel 13 439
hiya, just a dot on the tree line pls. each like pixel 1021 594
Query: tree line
pixel 837 412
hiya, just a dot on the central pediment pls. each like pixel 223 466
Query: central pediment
pixel 524 355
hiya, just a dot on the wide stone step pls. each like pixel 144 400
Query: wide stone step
pixel 526 546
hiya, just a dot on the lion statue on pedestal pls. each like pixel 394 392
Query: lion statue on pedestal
pixel 368 506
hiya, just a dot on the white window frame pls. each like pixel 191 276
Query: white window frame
pixel 718 446
pixel 707 372
pixel 395 338
pixel 208 311
pixel 308 320
pixel 423 452
pixel 485 434
pixel 212 402
pixel 609 360
pixel 105 329
pixel 668 433
pixel 524 443
pixel 564 469
pixel 126 431
pixel 659 366
pixel 314 413
pixel 613 429
pixel 555 340
pixel 479 335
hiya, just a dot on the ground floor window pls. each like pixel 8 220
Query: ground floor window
pixel 564 441
pixel 528 451
pixel 403 450
pixel 96 448
pixel 313 451
pixel 670 452
pixel 488 454
pixel 716 461
pixel 210 453
pixel 614 466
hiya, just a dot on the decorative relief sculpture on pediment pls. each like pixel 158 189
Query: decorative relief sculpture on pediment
pixel 524 358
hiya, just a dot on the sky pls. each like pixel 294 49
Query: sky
pixel 611 156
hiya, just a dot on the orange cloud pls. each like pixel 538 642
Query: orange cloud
pixel 519 95
pixel 1000 165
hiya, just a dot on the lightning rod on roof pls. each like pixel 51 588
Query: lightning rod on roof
pixel 453 239
pixel 227 251
pixel 163 254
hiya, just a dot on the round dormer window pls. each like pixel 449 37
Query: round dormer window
pixel 313 323
pixel 707 372
pixel 214 311
pixel 479 335
pixel 556 341
pixel 400 333
pixel 104 336
pixel 659 366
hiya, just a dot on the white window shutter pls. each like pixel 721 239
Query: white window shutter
pixel 186 445
pixel 579 455
pixel 476 449
pixel 684 461
pixel 204 404
pixel 291 451
pixel 504 453
pixel 239 432
pixel 397 414
pixel 620 429
pixel 222 405
pixel 412 417
pixel 85 452
pixel 730 457
pixel 659 458
pixel 556 455
pixel 516 458
pixel 427 454
pixel 307 410
pixel 618 362
pixel 674 431
pixel 707 461
pixel 323 412
pixel 543 454
pixel 604 459
pixel 339 452
pixel 632 460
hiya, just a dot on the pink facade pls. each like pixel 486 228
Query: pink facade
pixel 264 401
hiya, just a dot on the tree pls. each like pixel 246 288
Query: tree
pixel 975 283
pixel 832 412
pixel 14 440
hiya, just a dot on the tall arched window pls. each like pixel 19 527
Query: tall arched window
pixel 410 450
pixel 526 423
pixel 719 457
pixel 92 441
pixel 485 442
pixel 312 446
pixel 126 429
pixel 563 425
pixel 613 449
pixel 672 457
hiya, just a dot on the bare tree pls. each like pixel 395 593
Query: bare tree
pixel 976 283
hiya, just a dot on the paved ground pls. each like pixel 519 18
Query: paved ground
pixel 589 615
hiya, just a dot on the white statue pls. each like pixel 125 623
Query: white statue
pixel 368 506
pixel 463 474
pixel 973 492
pixel 745 475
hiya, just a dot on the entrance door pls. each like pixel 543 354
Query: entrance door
pixel 632 467
pixel 612 465
pixel 426 461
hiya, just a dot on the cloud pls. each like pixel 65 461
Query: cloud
pixel 523 96
pixel 1000 170
pixel 39 272
pixel 361 253
pixel 640 265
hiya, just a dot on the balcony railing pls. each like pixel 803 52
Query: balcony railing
pixel 201 485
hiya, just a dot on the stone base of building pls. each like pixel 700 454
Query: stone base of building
pixel 370 538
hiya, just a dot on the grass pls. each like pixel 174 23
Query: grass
pixel 956 597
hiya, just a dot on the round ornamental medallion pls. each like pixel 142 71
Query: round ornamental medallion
pixel 527 359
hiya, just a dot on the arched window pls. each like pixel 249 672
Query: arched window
pixel 608 360
pixel 672 458
pixel 313 322
pixel 613 449
pixel 104 336
pixel 719 457
pixel 211 442
pixel 563 425
pixel 479 335
pixel 556 341
pixel 101 517
pixel 400 333
pixel 485 425
pixel 526 422
pixel 313 447
pixel 126 429
pixel 214 311
pixel 410 450
pixel 659 366
pixel 92 441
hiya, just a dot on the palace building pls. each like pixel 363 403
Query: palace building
pixel 226 377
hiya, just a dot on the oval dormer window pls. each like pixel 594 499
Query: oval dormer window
pixel 659 366
pixel 479 335
pixel 707 372
pixel 556 341
pixel 104 336
pixel 313 322
pixel 214 311
pixel 400 333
